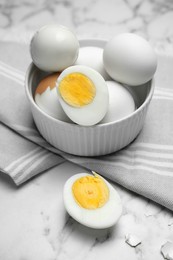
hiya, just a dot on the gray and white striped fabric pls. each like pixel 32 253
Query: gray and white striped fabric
pixel 145 166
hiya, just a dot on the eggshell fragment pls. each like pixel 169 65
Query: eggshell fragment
pixel 170 223
pixel 47 99
pixel 167 250
pixel 132 240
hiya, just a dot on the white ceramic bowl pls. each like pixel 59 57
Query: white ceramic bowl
pixel 93 140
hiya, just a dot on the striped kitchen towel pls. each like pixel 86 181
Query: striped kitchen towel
pixel 145 166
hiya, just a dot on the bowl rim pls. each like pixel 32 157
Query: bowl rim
pixel 83 42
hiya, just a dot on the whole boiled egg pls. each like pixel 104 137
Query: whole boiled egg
pixel 121 102
pixel 47 99
pixel 54 47
pixel 92 201
pixel 83 94
pixel 129 58
pixel 92 57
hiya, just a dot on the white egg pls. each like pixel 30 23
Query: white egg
pixel 92 57
pixel 47 99
pixel 121 102
pixel 102 217
pixel 130 59
pixel 49 103
pixel 83 94
pixel 54 48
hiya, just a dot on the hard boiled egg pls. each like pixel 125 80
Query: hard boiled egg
pixel 54 48
pixel 92 201
pixel 47 99
pixel 121 102
pixel 130 59
pixel 83 94
pixel 92 57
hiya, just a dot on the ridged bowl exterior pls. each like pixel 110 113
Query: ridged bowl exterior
pixel 95 140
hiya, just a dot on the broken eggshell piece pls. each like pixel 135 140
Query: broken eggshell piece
pixel 46 98
pixel 132 240
pixel 167 250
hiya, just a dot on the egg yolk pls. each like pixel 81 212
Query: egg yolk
pixel 90 192
pixel 77 90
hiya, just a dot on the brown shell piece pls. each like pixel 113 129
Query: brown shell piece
pixel 49 81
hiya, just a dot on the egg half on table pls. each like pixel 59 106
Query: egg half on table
pixel 92 201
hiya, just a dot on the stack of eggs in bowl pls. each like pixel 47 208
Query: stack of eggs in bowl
pixel 89 97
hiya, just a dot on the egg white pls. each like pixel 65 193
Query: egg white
pixel 100 218
pixel 94 112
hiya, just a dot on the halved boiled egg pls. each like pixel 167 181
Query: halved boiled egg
pixel 83 94
pixel 92 201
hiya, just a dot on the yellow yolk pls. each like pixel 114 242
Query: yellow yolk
pixel 90 192
pixel 77 90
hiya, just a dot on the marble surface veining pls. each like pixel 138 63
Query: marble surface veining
pixel 152 19
pixel 35 226
pixel 33 221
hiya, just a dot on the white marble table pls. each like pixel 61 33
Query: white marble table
pixel 33 221
pixel 35 226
